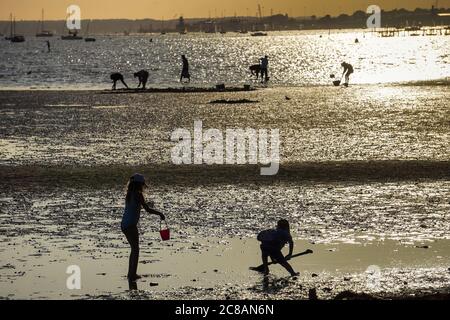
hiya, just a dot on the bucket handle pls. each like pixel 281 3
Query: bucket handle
pixel 160 224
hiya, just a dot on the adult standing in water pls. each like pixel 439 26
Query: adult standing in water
pixel 348 70
pixel 134 202
pixel 48 46
pixel 265 68
pixel 185 72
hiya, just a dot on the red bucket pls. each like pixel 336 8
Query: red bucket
pixel 165 233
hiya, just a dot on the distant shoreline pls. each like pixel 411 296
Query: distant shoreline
pixel 276 22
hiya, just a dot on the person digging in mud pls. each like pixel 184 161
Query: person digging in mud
pixel 134 201
pixel 143 78
pixel 117 77
pixel 348 70
pixel 255 70
pixel 272 242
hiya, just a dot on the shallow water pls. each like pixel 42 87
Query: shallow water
pixel 304 58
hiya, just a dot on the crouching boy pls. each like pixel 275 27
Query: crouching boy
pixel 272 242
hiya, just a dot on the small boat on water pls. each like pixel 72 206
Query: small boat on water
pixel 412 28
pixel 15 38
pixel 18 39
pixel 89 39
pixel 73 35
pixel 42 32
pixel 259 34
pixel 447 31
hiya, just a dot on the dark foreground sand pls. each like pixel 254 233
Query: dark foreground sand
pixel 364 181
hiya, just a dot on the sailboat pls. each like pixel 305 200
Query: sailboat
pixel 42 32
pixel 13 36
pixel 162 27
pixel 89 39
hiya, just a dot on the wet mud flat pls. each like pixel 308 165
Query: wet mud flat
pixel 399 227
pixel 317 124
pixel 198 268
pixel 364 181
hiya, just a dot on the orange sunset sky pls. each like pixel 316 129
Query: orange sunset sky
pixel 169 9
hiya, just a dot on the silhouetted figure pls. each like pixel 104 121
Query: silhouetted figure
pixel 272 242
pixel 48 46
pixel 134 201
pixel 348 70
pixel 185 72
pixel 117 77
pixel 265 69
pixel 356 40
pixel 143 78
pixel 255 70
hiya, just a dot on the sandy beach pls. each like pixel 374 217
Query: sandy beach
pixel 364 180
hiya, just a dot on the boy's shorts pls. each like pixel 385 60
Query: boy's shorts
pixel 275 254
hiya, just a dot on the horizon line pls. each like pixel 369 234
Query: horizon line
pixel 226 17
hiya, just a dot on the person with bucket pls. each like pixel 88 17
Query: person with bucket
pixel 134 202
pixel 272 242
pixel 348 70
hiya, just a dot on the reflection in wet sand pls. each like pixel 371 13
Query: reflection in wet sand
pixel 364 181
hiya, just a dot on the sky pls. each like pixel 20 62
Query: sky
pixel 169 9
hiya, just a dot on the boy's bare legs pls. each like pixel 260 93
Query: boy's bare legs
pixel 265 263
pixel 289 268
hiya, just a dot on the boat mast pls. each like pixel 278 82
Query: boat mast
pixel 42 21
pixel 11 25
